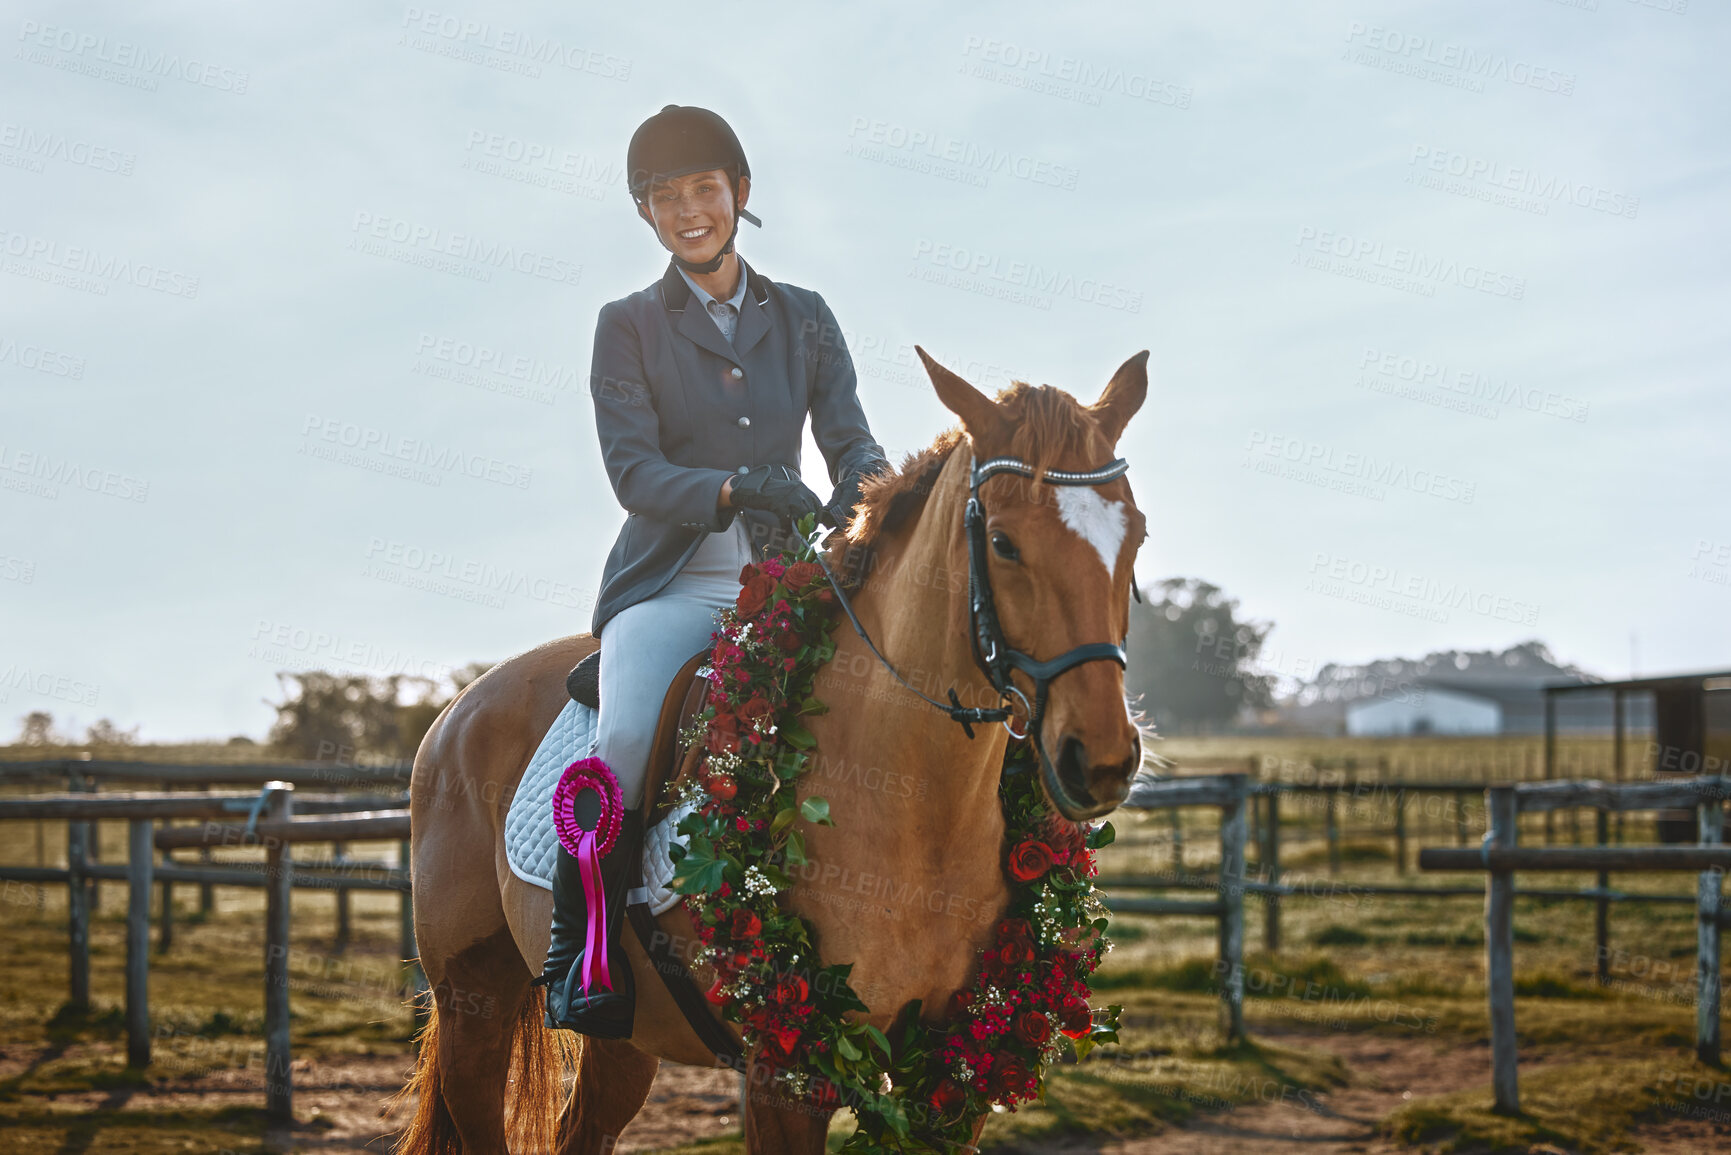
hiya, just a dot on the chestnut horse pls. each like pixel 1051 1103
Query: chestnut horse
pixel 906 885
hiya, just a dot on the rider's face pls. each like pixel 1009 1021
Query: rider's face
pixel 693 214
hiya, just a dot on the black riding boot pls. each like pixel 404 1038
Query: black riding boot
pixel 600 1013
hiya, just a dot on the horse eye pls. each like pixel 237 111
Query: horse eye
pixel 1004 547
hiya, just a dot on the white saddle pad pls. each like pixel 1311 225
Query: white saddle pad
pixel 532 845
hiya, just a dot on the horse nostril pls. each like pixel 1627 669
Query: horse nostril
pixel 1071 770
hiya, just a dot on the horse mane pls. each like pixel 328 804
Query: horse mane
pixel 1047 425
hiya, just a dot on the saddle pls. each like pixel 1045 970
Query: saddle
pixel 670 761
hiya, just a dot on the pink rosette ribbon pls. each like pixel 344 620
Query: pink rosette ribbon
pixel 587 806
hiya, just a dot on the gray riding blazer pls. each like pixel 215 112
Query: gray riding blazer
pixel 678 408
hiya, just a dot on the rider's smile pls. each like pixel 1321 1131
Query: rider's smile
pixel 694 214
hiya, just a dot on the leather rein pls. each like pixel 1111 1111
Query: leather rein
pixel 992 651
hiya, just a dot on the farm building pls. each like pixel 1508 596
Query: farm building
pixel 1512 704
pixel 1450 692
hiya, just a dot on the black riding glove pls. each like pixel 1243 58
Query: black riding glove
pixel 773 489
pixel 843 501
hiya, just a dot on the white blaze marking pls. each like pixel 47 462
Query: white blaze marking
pixel 1095 520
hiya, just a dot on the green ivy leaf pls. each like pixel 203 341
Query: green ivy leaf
pixel 847 1049
pixel 816 811
pixel 1103 836
pixel 795 849
pixel 878 1038
pixel 797 736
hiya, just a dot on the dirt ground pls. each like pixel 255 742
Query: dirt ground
pixel 340 1104
pixel 1387 1072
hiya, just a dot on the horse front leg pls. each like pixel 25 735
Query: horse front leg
pixel 776 1124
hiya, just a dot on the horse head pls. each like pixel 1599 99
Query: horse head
pixel 1057 558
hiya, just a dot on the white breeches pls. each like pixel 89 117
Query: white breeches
pixel 643 646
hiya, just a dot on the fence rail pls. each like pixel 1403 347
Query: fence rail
pixel 271 823
pixel 1501 857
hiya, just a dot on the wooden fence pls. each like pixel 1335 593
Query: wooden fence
pixel 1500 857
pixel 1250 815
pixel 271 824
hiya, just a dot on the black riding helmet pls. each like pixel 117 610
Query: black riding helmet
pixel 679 140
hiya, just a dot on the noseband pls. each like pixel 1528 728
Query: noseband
pixel 992 652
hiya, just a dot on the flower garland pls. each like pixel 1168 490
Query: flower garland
pixel 1027 1007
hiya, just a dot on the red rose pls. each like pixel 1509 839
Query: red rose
pixel 753 594
pixel 754 707
pixel 791 990
pixel 746 924
pixel 745 575
pixel 779 1042
pixel 1009 1077
pixel 959 1000
pixel 721 786
pixel 1075 1019
pixel 948 1099
pixel 1065 838
pixel 1032 1028
pixel 713 994
pixel 801 574
pixel 723 737
pixel 1030 860
pixel 1016 952
pixel 789 641
pixel 1015 928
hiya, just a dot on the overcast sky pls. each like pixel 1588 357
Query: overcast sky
pixel 299 299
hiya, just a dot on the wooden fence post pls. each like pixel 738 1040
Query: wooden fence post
pixel 1460 819
pixel 1177 839
pixel 339 857
pixel 1400 831
pixel 77 909
pixel 1271 875
pixel 165 913
pixel 1232 830
pixel 1500 952
pixel 279 886
pixel 1331 831
pixel 414 978
pixel 1709 892
pixel 141 849
pixel 93 847
pixel 206 892
pixel 1602 906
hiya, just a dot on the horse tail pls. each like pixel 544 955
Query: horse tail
pixel 431 1131
pixel 535 1092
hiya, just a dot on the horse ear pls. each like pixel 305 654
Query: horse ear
pixel 1123 397
pixel 980 415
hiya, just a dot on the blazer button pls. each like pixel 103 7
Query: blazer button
pixel 736 372
pixel 744 422
pixel 743 469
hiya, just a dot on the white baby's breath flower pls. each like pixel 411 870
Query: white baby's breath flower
pixel 757 882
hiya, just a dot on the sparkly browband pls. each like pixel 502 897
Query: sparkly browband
pixel 1112 469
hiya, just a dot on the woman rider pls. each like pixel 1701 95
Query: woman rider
pixel 702 383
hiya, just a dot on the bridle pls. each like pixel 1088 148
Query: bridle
pixel 992 651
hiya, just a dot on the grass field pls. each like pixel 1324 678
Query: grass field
pixel 1615 1061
